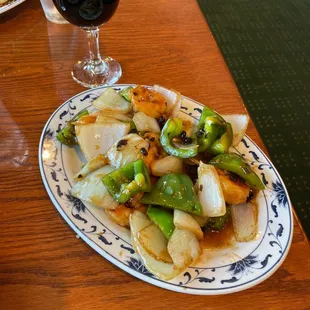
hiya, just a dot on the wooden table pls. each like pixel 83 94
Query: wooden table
pixel 43 265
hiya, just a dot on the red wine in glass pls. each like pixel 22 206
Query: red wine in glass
pixel 89 15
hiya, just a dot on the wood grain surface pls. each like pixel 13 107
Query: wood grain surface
pixel 42 263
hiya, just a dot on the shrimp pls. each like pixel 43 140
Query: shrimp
pixel 155 150
pixel 234 189
pixel 87 119
pixel 148 101
pixel 134 202
pixel 120 215
pixel 122 212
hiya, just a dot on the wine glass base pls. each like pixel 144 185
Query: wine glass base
pixel 92 75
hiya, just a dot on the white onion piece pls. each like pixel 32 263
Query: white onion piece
pixel 183 247
pixel 127 153
pixel 169 164
pixel 183 220
pixel 177 106
pixel 94 164
pixel 92 190
pixel 173 99
pixel 162 270
pixel 244 219
pixel 95 139
pixel 138 221
pixel 210 193
pixel 144 122
pixel 106 117
pixel 110 100
pixel 154 242
pixel 239 124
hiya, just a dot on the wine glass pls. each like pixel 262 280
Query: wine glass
pixel 90 15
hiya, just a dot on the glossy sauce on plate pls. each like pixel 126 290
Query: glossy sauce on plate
pixel 219 239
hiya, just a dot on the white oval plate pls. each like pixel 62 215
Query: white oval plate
pixel 10 5
pixel 224 271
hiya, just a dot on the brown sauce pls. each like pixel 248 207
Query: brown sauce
pixel 219 239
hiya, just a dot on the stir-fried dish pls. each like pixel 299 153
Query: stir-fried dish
pixel 170 181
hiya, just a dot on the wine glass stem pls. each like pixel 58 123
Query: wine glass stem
pixel 96 62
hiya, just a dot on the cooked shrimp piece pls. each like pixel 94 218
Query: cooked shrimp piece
pixel 120 215
pixel 148 101
pixel 122 212
pixel 87 119
pixel 154 150
pixel 234 189
pixel 134 202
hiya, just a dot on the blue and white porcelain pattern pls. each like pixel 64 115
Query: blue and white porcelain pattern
pixel 224 271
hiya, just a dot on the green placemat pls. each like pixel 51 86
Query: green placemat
pixel 266 45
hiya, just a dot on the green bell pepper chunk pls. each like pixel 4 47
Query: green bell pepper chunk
pixel 125 182
pixel 208 112
pixel 236 164
pixel 172 129
pixel 222 144
pixel 218 223
pixel 174 191
pixel 67 134
pixel 162 218
pixel 210 126
pixel 126 93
